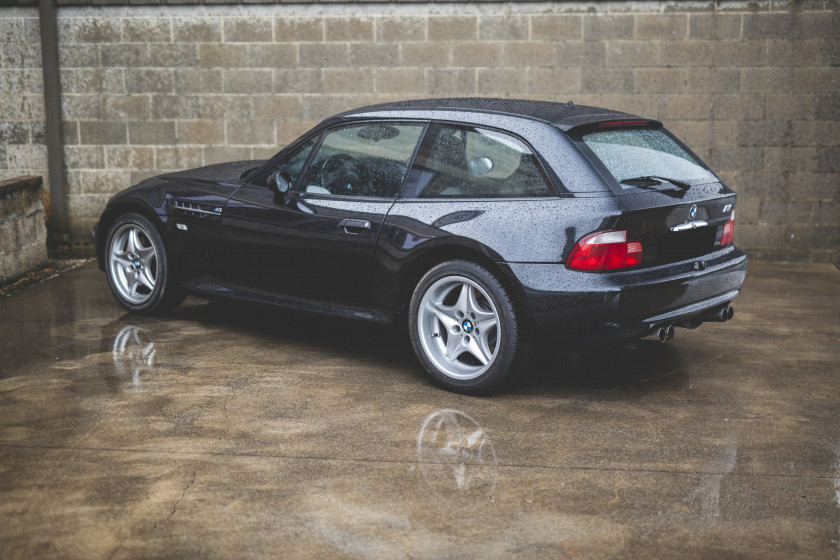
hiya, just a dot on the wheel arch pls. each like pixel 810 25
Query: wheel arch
pixel 116 209
pixel 415 271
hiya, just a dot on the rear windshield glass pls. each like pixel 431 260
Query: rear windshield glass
pixel 633 153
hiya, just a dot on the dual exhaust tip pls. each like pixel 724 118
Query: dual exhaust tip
pixel 722 315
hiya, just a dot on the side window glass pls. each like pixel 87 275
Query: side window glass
pixel 291 164
pixel 363 160
pixel 468 162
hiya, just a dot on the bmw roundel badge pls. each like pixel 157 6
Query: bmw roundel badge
pixel 693 212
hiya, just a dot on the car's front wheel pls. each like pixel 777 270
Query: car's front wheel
pixel 138 268
pixel 465 329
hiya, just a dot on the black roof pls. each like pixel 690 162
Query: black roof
pixel 564 115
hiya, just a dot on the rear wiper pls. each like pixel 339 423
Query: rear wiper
pixel 656 179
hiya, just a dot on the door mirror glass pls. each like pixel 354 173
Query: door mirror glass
pixel 280 182
pixel 480 166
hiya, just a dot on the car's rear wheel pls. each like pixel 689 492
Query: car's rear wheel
pixel 138 268
pixel 464 328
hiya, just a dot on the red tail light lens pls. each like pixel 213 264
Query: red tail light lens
pixel 728 230
pixel 605 250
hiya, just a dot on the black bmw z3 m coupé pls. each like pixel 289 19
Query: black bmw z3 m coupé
pixel 483 225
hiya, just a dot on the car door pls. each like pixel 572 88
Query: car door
pixel 318 240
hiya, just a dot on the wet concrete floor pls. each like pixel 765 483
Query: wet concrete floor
pixel 228 432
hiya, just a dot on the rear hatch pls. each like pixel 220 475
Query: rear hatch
pixel 671 201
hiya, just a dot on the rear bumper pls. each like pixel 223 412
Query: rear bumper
pixel 577 307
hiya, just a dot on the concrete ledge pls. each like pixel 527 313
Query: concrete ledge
pixel 23 232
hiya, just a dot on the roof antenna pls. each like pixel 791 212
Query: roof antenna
pixel 570 104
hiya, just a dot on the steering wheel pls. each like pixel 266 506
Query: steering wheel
pixel 341 174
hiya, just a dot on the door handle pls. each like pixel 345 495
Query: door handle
pixel 354 226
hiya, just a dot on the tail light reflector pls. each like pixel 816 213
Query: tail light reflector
pixel 605 250
pixel 728 230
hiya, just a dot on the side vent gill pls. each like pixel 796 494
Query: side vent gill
pixel 192 209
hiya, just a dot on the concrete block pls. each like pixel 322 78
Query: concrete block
pixel 503 28
pixel 815 133
pixel 738 106
pixel 686 53
pixel 14 132
pixel 122 54
pixel 178 157
pixel 769 25
pixel 827 212
pixel 246 81
pixel 374 54
pixel 149 80
pixel 147 30
pixel 736 158
pixel 818 24
pixel 760 185
pixel 685 106
pixel 102 132
pixel 166 106
pixel 212 55
pixel 581 53
pixel 714 26
pixel 603 27
pixel 129 157
pixel 623 54
pixel 556 27
pixel 324 55
pixel 125 107
pixel 200 132
pixel 78 56
pixel 660 80
pixel 399 80
pixel 21 55
pixel 738 53
pixel 827 107
pixel 347 80
pixel 173 56
pixel 425 54
pixel 84 157
pixel 502 81
pixel 823 186
pixel 319 107
pixel 828 160
pixel 348 29
pixel 224 107
pixel 197 30
pixel 474 54
pixel 90 206
pixel 222 154
pixel 273 56
pixel 794 52
pixel 400 29
pixel 555 80
pixel 714 80
pixel 248 30
pixel 453 81
pixel 763 133
pixel 817 80
pixel 606 80
pixel 93 30
pixel 790 159
pixel 198 80
pixel 523 55
pixel 661 26
pixel 151 132
pixel 103 181
pixel 250 133
pixel 452 28
pixel 299 80
pixel 295 29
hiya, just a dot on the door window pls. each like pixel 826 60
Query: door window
pixel 363 160
pixel 290 164
pixel 469 162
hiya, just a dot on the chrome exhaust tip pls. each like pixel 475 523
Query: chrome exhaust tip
pixel 670 331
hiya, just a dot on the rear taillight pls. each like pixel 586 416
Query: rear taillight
pixel 728 230
pixel 605 250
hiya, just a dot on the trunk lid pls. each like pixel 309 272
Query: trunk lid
pixel 677 225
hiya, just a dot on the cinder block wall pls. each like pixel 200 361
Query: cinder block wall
pixel 754 88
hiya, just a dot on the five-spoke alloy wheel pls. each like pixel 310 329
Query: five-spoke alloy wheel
pixel 137 266
pixel 464 327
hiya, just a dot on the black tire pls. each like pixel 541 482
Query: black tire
pixel 455 340
pixel 137 266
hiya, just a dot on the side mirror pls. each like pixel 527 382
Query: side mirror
pixel 480 166
pixel 279 183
